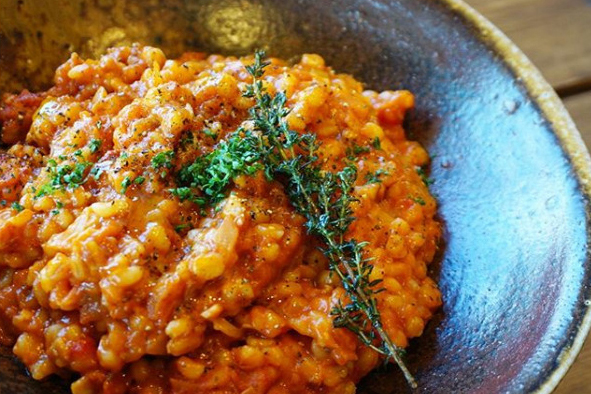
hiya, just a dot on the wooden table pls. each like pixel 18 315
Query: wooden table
pixel 556 36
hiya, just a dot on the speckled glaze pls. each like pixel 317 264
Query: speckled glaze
pixel 511 173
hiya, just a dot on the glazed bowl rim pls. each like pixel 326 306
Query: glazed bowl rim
pixel 563 127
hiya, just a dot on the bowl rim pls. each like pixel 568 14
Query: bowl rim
pixel 563 127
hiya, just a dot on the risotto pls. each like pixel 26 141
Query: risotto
pixel 109 276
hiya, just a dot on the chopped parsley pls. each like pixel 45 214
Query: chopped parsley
pixel 125 184
pixel 63 176
pixel 163 160
pixel 96 172
pixel 376 143
pixel 426 180
pixel 139 180
pixel 210 174
pixel 94 145
pixel 418 200
pixel 16 206
pixel 210 134
pixel 181 227
pixel 187 139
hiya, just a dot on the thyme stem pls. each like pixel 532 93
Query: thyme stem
pixel 268 115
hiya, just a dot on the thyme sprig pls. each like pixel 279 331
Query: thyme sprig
pixel 324 200
pixel 322 197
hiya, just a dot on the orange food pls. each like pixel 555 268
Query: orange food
pixel 105 273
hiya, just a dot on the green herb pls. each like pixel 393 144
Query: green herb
pixel 188 138
pixel 59 204
pixel 206 179
pixel 63 176
pixel 16 206
pixel 70 176
pixel 376 143
pixel 96 172
pixel 95 145
pixel 426 180
pixel 181 227
pixel 139 180
pixel 163 160
pixel 418 200
pixel 210 134
pixel 78 153
pixel 124 155
pixel 125 184
pixel 44 190
pixel 374 177
pixel 355 150
pixel 323 198
pixel 3 203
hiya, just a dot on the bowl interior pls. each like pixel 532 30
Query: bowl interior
pixel 514 267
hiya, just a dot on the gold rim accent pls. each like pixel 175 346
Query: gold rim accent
pixel 565 130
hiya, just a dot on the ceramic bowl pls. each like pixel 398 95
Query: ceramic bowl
pixel 511 173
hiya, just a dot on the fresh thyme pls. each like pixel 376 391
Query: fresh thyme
pixel 323 198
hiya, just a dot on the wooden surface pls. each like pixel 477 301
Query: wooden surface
pixel 556 36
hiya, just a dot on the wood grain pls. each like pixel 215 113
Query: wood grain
pixel 554 34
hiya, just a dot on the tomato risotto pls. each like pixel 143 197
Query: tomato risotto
pixel 115 271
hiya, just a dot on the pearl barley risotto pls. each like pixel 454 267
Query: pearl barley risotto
pixel 117 275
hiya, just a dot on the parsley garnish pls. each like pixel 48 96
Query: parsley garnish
pixel 63 176
pixel 419 200
pixel 16 206
pixel 426 180
pixel 210 134
pixel 139 180
pixel 209 175
pixel 94 145
pixel 163 160
pixel 180 227
pixel 125 184
pixel 376 143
